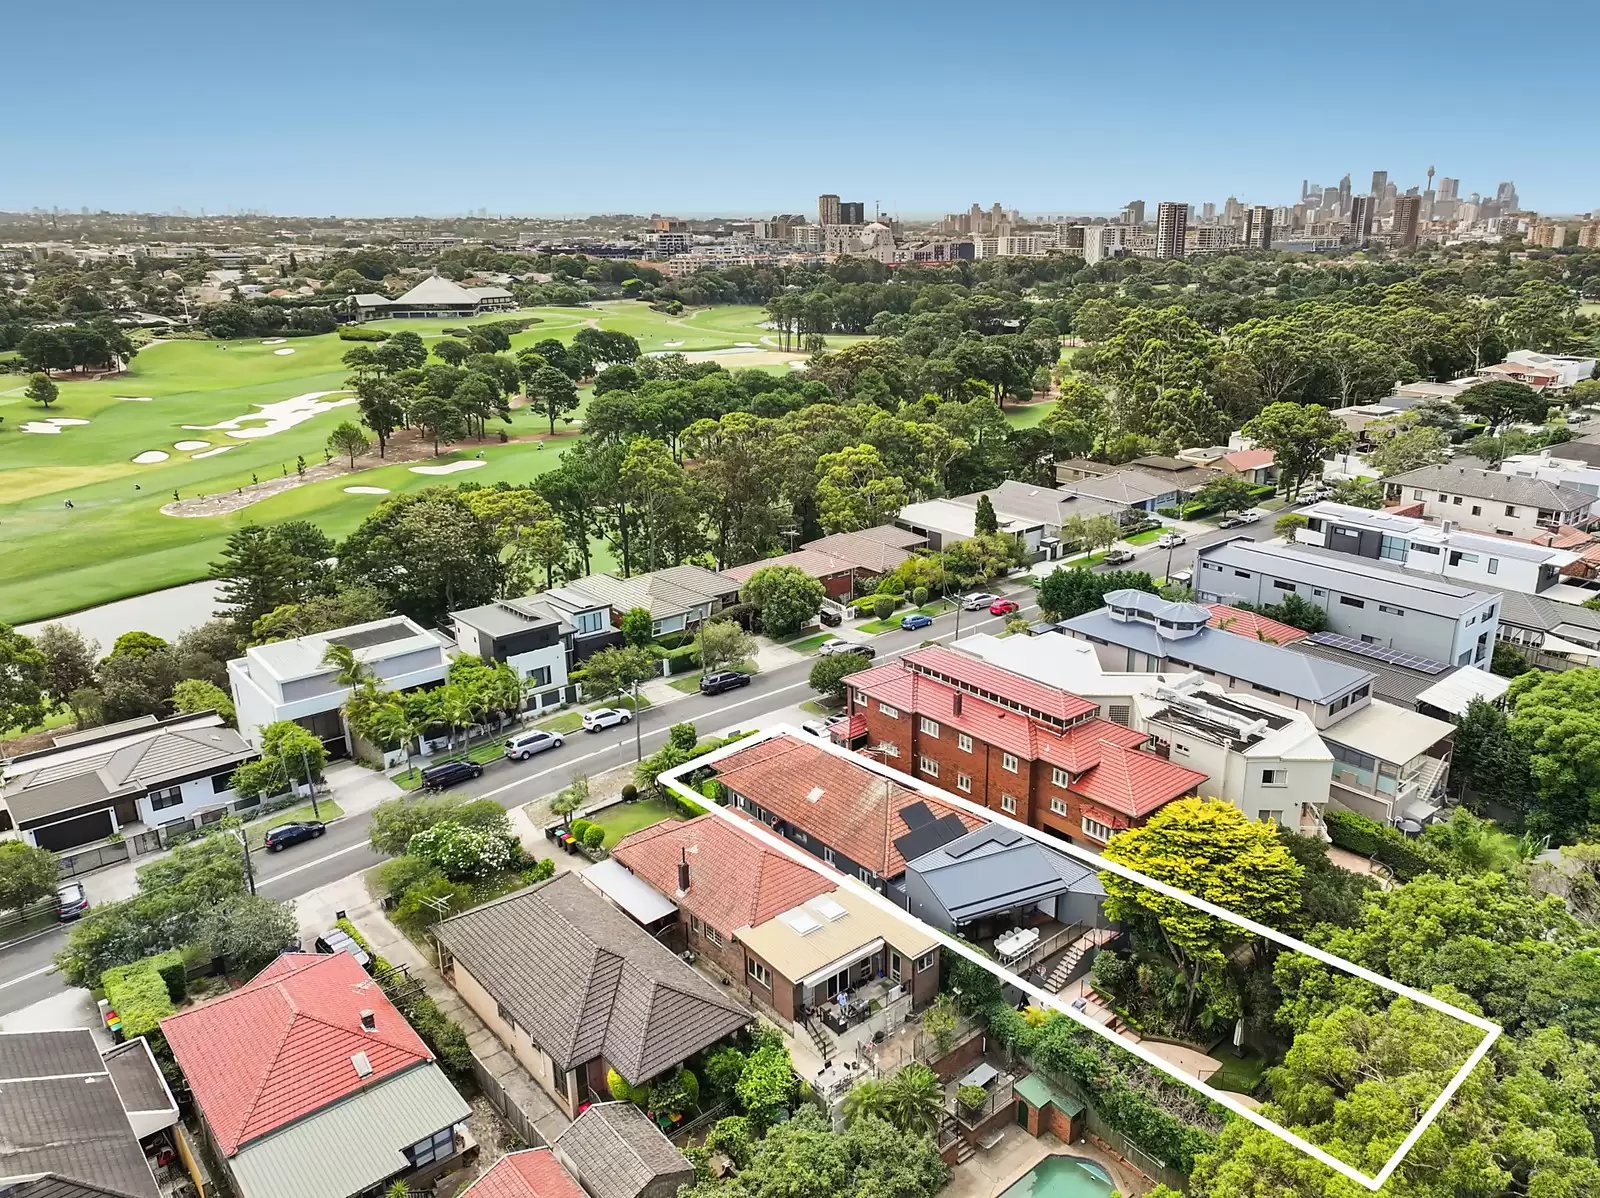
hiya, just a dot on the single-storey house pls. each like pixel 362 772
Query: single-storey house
pixel 436 298
pixel 678 598
pixel 1257 466
pixel 307 1081
pixel 615 1151
pixel 574 988
pixel 945 522
pixel 123 779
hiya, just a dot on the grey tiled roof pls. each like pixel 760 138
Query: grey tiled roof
pixel 616 1151
pixel 1493 486
pixel 138 1080
pixel 583 980
pixel 1335 571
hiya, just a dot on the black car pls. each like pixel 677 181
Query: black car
pixel 437 777
pixel 830 617
pixel 866 651
pixel 284 835
pixel 722 680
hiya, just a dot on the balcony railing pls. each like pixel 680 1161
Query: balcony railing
pixel 998 1095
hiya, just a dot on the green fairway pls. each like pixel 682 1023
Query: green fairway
pixel 115 542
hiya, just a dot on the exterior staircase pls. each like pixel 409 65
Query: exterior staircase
pixel 1062 973
pixel 820 1038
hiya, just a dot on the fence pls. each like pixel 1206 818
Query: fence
pixel 686 1131
pixel 73 864
pixel 33 911
pixel 503 1102
pixel 1150 1166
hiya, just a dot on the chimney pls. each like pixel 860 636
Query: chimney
pixel 1447 527
pixel 955 704
pixel 683 873
pixel 369 1021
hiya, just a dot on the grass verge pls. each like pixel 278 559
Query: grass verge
pixel 624 819
pixel 256 831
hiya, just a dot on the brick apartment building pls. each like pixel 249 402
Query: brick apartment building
pixel 1034 752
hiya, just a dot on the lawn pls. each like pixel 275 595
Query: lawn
pixel 690 683
pixel 1239 1075
pixel 1145 537
pixel 624 819
pixel 1027 415
pixel 809 644
pixel 256 830
pixel 114 541
pixel 937 607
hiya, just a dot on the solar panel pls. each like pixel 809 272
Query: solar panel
pixel 368 637
pixel 1393 657
pixel 916 815
pixel 924 839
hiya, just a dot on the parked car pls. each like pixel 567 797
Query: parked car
pixel 812 728
pixel 71 901
pixel 526 744
pixel 604 717
pixel 1239 519
pixel 336 940
pixel 1171 539
pixel 284 835
pixel 437 777
pixel 915 620
pixel 1317 496
pixel 718 681
pixel 1003 607
pixel 1115 557
pixel 838 645
pixel 830 617
pixel 1578 418
pixel 977 601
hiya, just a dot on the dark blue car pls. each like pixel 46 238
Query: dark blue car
pixel 916 620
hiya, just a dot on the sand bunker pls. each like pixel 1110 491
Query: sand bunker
pixel 39 426
pixel 281 352
pixel 275 417
pixel 211 453
pixel 150 457
pixel 366 490
pixel 744 344
pixel 64 421
pixel 186 446
pixel 671 344
pixel 450 467
pixel 274 341
pixel 137 398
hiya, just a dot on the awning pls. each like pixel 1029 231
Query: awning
pixel 844 962
pixel 639 899
pixel 848 730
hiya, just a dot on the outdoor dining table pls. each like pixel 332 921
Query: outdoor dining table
pixel 1016 942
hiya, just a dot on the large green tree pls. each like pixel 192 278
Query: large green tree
pixel 786 597
pixel 1556 718
pixel 1300 435
pixel 24 675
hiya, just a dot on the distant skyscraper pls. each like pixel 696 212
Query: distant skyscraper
pixel 1231 210
pixel 852 213
pixel 1208 212
pixel 1258 228
pixel 1407 219
pixel 1172 227
pixel 1133 214
pixel 1361 210
pixel 1448 188
pixel 1344 195
pixel 827 210
pixel 1380 180
pixel 1506 196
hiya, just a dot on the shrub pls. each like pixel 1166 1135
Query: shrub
pixel 463 853
pixel 683 736
pixel 722 1070
pixel 139 995
pixel 622 1091
pixel 733 1138
pixel 579 827
pixel 442 1034
pixel 630 792
pixel 971 1097
pixel 174 974
pixel 1408 858
pixel 399 874
pixel 883 607
pixel 357 333
pixel 594 836
pixel 919 596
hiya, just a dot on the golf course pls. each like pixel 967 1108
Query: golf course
pixel 231 419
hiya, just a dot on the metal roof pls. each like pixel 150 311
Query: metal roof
pixel 138 1079
pixel 1387 732
pixel 995 869
pixel 804 939
pixel 1455 691
pixel 635 896
pixel 354 1145
pixel 1336 571
pixel 617 1152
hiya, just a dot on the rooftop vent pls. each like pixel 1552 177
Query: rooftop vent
pixel 369 1021
pixel 363 1066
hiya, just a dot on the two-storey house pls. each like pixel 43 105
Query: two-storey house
pixel 1488 501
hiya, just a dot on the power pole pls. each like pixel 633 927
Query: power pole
pixel 638 740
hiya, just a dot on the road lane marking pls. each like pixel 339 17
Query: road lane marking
pixel 27 976
pixel 360 844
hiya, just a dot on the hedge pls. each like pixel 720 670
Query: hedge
pixel 1408 858
pixel 441 1034
pixel 356 333
pixel 139 996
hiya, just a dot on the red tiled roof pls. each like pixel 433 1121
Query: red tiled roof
pixel 854 810
pixel 1081 749
pixel 1253 625
pixel 1136 783
pixel 735 881
pixel 1250 459
pixel 533 1173
pixel 973 674
pixel 279 1048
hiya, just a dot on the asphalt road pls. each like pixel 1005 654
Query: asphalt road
pixel 26 974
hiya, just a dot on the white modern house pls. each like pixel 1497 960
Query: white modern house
pixel 1551 465
pixel 533 638
pixel 289 680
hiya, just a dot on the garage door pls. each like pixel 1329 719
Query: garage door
pixel 69 834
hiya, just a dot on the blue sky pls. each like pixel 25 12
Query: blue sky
pixel 730 108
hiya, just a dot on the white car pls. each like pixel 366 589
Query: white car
pixel 812 728
pixel 834 645
pixel 1171 539
pixel 977 601
pixel 604 717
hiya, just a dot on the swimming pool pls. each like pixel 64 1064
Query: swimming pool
pixel 1062 1176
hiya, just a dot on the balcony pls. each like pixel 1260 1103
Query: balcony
pixel 998 1090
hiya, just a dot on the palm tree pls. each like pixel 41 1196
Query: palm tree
pixel 390 723
pixel 867 1099
pixel 915 1099
pixel 571 799
pixel 349 670
pixel 457 708
pixel 505 690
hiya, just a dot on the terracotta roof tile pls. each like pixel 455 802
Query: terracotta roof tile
pixel 1136 783
pixel 973 673
pixel 734 880
pixel 534 1173
pixel 279 1048
pixel 1253 625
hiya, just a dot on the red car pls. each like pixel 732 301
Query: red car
pixel 1002 607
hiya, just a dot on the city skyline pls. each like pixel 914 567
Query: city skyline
pixel 333 117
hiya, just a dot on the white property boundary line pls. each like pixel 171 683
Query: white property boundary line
pixel 756 828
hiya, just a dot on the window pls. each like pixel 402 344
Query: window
pixel 1095 830
pixel 928 766
pixel 1283 586
pixel 1318 592
pixel 1277 777
pixel 1391 611
pixel 1008 804
pixel 540 676
pixel 1477 510
pixel 160 800
pixel 1457 557
pixel 1008 762
pixel 711 935
pixel 588 621
pixel 1060 777
pixel 1272 817
pixel 694 924
pixel 759 973
pixel 1119 713
pixel 1430 550
pixel 1416 494
pixel 891 712
pixel 1058 807
pixel 1180 748
pixel 1368 639
pixel 964 782
pixel 800 837
pixel 861 698
pixel 926 961
pixel 1456 500
pixel 1510 511
pixel 827 855
pixel 896 966
pixel 1241 574
pixel 1349 602
pixel 1393 548
pixel 929 728
pixel 1494 565
pixel 436 1147
pixel 221 782
pixel 963 742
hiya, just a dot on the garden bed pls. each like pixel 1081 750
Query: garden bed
pixel 1238 1075
pixel 624 819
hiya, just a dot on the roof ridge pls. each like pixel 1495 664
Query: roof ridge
pixel 261 1084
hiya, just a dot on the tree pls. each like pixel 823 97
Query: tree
pixel 571 798
pixel 426 553
pixel 381 401
pixel 450 351
pixel 1352 492
pixel 299 751
pixel 1556 718
pixel 828 673
pixel 856 491
pixel 786 597
pixel 1069 592
pixel 69 663
pixel 27 874
pixel 1209 849
pixel 348 439
pixel 723 643
pixel 767 1083
pixel 551 392
pixel 617 670
pixel 1503 402
pixel 638 627
pixel 985 521
pixel 1287 526
pixel 1489 762
pixel 264 567
pixel 914 1099
pixel 461 853
pixel 41 389
pixel 437 417
pixel 1298 612
pixel 1226 493
pixel 196 694
pixel 248 931
pixel 1410 449
pixel 24 674
pixel 1300 435
pixel 320 613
